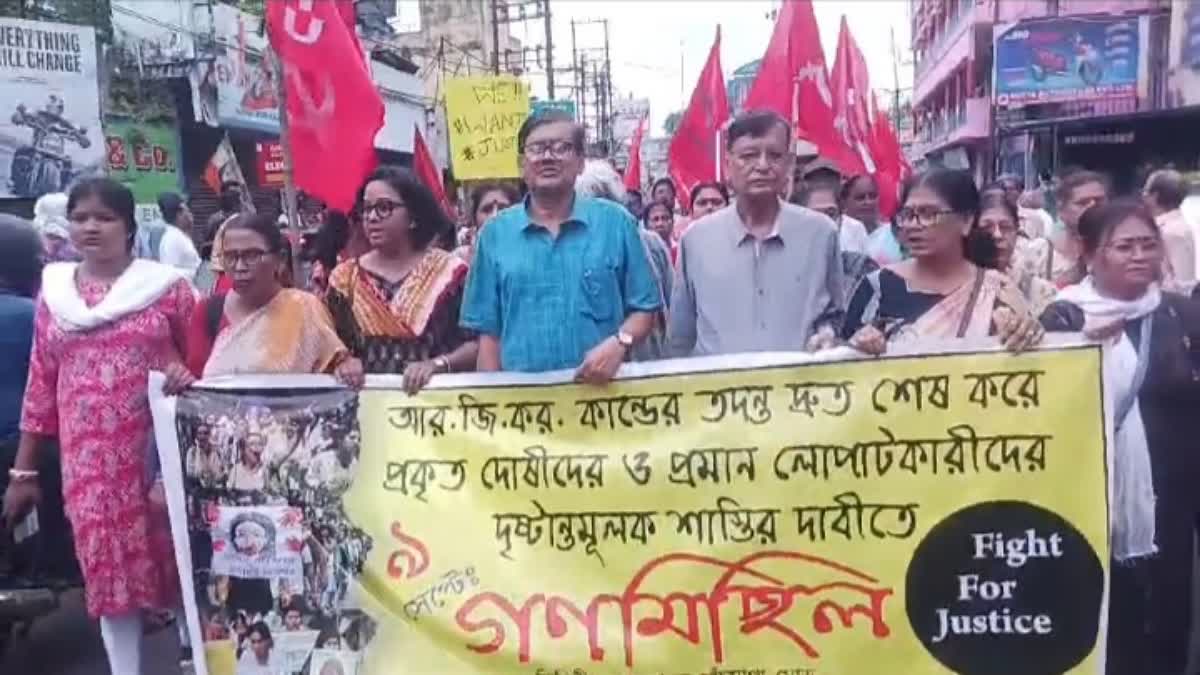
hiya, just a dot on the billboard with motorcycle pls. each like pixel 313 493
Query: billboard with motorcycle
pixel 49 106
pixel 1067 59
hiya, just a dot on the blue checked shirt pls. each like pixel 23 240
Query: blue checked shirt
pixel 548 300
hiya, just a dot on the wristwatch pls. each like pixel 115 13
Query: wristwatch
pixel 625 339
pixel 441 365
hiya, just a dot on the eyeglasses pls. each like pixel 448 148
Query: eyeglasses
pixel 251 257
pixel 925 215
pixel 1132 246
pixel 557 149
pixel 382 209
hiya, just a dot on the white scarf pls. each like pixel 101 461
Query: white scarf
pixel 1133 530
pixel 138 287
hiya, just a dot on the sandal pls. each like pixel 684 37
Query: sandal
pixel 156 620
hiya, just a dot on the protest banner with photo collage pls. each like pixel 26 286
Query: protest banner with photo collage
pixel 752 514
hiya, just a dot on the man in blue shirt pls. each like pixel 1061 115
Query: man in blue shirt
pixel 20 274
pixel 560 280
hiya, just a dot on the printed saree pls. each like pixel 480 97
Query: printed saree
pixel 389 325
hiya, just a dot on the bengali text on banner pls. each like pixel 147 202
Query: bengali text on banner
pixel 916 514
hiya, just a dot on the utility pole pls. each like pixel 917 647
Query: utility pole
pixel 495 37
pixel 608 97
pixel 549 51
pixel 575 71
pixel 593 81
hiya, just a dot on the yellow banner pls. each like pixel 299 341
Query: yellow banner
pixel 931 514
pixel 484 116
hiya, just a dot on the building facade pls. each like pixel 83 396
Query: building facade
pixel 1035 87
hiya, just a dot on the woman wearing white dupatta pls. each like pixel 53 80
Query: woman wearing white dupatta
pixel 101 325
pixel 1152 376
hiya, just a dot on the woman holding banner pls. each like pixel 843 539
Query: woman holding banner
pixel 949 288
pixel 1152 373
pixel 396 306
pixel 259 326
pixel 101 325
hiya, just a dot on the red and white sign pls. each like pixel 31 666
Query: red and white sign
pixel 269 163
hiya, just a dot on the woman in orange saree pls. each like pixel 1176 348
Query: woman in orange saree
pixel 396 307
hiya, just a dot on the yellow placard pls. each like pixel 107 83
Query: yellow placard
pixel 484 116
pixel 928 515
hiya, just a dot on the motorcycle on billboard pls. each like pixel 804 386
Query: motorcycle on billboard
pixel 1067 59
pixel 44 165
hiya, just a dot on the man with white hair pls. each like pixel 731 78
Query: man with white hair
pixel 600 180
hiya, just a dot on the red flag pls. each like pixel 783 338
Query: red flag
pixel 633 172
pixel 427 170
pixel 851 85
pixel 334 110
pixel 793 81
pixel 694 154
pixel 893 167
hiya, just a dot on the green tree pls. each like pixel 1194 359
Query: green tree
pixel 672 122
pixel 96 13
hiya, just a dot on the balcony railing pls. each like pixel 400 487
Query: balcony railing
pixel 961 12
pixel 969 119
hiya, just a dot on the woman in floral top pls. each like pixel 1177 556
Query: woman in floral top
pixel 101 325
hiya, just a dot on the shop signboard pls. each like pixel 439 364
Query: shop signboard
pixel 1067 59
pixel 245 82
pixel 1183 55
pixel 142 156
pixel 49 107
pixel 269 162
pixel 561 105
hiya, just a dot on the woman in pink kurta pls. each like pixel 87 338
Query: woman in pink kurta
pixel 100 327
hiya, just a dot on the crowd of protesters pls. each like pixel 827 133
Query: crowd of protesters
pixel 580 274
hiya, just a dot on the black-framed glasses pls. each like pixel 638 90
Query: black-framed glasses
pixel 556 149
pixel 251 257
pixel 925 215
pixel 382 209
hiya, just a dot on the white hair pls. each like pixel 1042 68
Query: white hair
pixel 50 215
pixel 600 180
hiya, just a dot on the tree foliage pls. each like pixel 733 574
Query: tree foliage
pixel 96 13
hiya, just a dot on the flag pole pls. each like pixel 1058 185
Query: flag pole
pixel 717 153
pixel 289 184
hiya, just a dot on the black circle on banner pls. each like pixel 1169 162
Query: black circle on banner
pixel 980 609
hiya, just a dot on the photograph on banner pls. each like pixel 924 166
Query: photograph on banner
pixel 334 662
pixel 484 115
pixel 1067 59
pixel 50 130
pixel 273 554
pixel 802 515
pixel 257 542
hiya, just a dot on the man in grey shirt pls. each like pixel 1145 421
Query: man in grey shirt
pixel 759 275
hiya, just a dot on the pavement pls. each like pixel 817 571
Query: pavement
pixel 67 642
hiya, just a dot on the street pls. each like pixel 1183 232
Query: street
pixel 68 643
